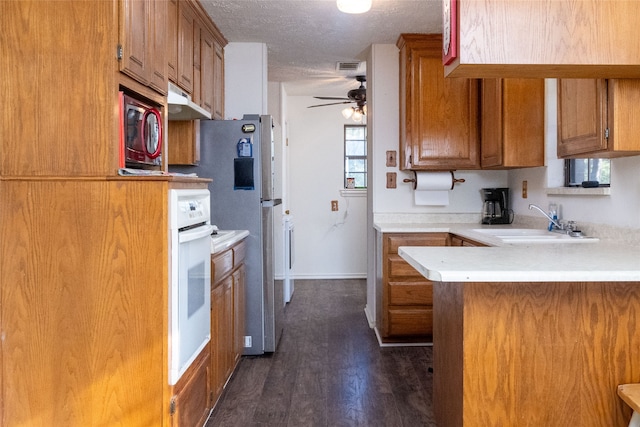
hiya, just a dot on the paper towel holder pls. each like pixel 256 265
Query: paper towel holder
pixel 454 180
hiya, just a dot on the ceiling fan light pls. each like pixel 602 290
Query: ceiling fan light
pixel 347 112
pixel 357 116
pixel 354 6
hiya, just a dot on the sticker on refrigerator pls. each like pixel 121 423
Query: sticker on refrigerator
pixel 245 148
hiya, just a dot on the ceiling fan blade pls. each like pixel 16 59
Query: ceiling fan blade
pixel 333 103
pixel 329 98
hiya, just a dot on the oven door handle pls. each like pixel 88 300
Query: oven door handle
pixel 196 233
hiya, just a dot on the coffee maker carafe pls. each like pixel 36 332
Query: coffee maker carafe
pixel 495 206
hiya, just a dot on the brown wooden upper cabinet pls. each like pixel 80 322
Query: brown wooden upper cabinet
pixel 142 42
pixel 545 38
pixel 512 123
pixel 598 118
pixel 196 55
pixel 439 127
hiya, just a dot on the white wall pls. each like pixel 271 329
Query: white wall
pixel 245 79
pixel 328 244
pixel 620 209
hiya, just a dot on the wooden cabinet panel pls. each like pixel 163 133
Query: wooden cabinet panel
pixel 239 277
pixel 546 38
pixel 43 133
pixel 135 39
pixel 463 241
pixel 227 315
pixel 192 399
pixel 84 303
pixel 186 17
pixel 582 114
pixel 207 53
pixel 406 314
pixel 410 293
pixel 222 264
pixel 598 118
pixel 439 122
pixel 512 123
pixel 158 67
pixel 410 322
pixel 398 267
pixel 218 82
pixel 172 40
pixel 143 40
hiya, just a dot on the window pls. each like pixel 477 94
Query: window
pixel 355 156
pixel 579 170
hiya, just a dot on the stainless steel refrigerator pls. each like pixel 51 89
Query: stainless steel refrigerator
pixel 238 155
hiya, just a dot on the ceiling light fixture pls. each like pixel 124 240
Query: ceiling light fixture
pixel 355 113
pixel 354 6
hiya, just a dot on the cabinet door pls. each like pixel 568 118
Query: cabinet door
pixel 207 52
pixel 134 38
pixel 143 40
pixel 238 312
pixel 157 73
pixel 439 120
pixel 192 399
pixel 185 46
pixel 512 123
pixel 172 40
pixel 217 341
pixel 218 82
pixel 582 116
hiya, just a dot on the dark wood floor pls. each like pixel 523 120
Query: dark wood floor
pixel 329 370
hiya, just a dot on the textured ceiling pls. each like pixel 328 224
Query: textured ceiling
pixel 306 38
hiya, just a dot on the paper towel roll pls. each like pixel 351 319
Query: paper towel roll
pixel 432 188
pixel 434 180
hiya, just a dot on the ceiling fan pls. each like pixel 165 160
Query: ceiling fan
pixel 357 96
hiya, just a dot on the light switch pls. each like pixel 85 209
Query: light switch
pixel 524 189
pixel 334 205
pixel 391 158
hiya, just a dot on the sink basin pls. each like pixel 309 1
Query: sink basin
pixel 529 235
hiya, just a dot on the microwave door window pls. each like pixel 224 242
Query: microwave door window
pixel 134 120
pixel 152 136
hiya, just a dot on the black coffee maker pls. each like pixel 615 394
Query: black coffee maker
pixel 495 206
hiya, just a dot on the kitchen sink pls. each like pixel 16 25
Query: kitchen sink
pixel 530 235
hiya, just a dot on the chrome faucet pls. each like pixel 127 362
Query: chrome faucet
pixel 557 225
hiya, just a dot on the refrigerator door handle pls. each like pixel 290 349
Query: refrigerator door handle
pixel 271 203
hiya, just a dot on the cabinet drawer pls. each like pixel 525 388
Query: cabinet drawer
pixel 416 239
pixel 239 253
pixel 398 267
pixel 410 321
pixel 221 264
pixel 410 293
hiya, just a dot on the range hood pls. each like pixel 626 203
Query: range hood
pixel 181 107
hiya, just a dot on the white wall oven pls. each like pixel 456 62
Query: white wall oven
pixel 190 282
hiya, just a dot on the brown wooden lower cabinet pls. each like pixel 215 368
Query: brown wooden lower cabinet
pixel 191 403
pixel 406 313
pixel 534 353
pixel 227 315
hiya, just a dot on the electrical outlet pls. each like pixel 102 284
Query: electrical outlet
pixel 524 189
pixel 247 341
pixel 391 180
pixel 334 205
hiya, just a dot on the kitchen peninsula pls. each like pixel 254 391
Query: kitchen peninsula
pixel 533 334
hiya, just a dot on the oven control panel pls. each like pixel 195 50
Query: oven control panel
pixel 189 207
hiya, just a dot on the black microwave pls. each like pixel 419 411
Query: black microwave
pixel 141 133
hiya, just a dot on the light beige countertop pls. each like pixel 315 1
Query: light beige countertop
pixel 596 261
pixel 225 239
